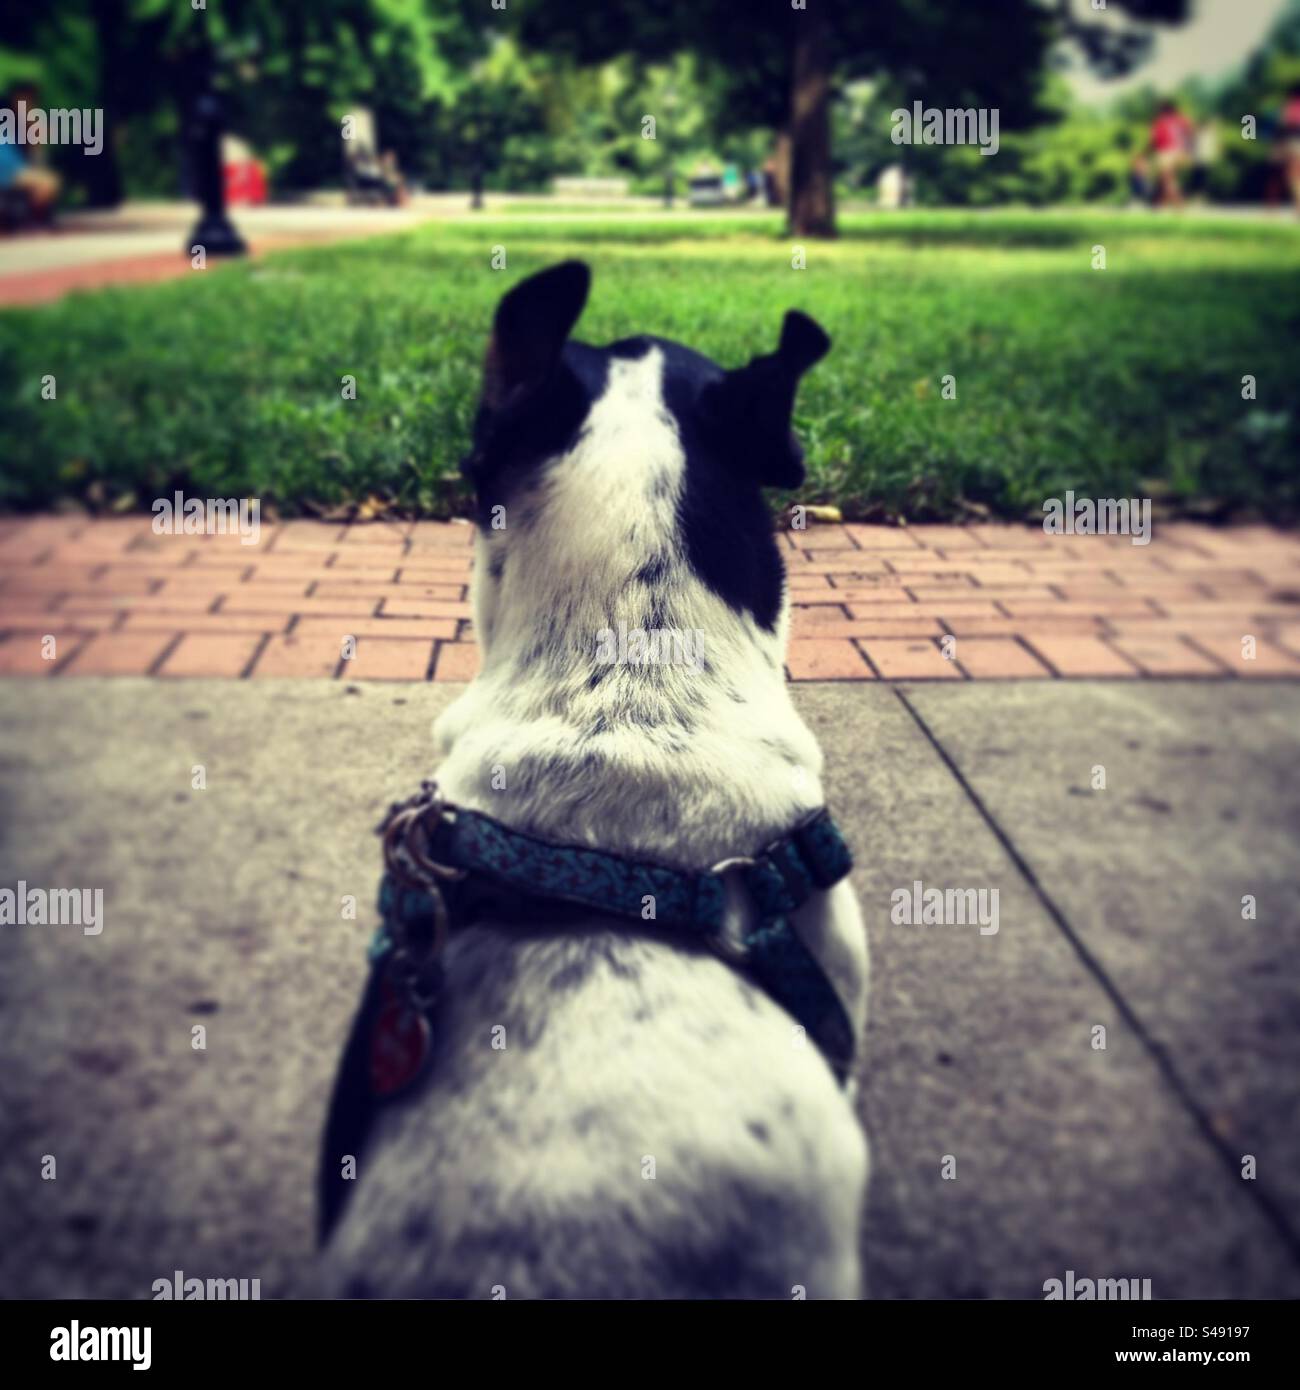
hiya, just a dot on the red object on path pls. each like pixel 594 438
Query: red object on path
pixel 245 183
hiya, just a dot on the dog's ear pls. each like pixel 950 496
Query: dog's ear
pixel 748 412
pixel 531 325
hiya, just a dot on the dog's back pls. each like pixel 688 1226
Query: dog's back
pixel 608 1117
pixel 611 1112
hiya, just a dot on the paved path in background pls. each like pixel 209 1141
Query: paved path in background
pixel 1117 908
pixel 870 602
pixel 59 266
pixel 142 243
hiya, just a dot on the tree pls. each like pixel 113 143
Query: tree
pixel 785 57
pixel 96 53
pixel 286 71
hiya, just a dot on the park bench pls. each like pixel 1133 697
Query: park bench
pixel 589 188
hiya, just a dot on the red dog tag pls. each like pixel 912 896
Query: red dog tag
pixel 399 1047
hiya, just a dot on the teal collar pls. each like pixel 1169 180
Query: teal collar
pixel 447 865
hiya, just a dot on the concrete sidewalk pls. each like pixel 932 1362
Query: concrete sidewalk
pixel 1118 908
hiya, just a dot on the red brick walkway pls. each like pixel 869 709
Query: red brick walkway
pixel 41 286
pixel 871 602
pixel 24 287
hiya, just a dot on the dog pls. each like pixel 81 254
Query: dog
pixel 609 1112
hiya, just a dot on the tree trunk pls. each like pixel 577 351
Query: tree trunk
pixel 781 168
pixel 812 198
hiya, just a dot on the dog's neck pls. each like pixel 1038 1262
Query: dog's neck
pixel 622 701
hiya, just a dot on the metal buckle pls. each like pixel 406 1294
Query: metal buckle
pixel 739 861
pixel 407 837
pixel 733 952
pixel 736 952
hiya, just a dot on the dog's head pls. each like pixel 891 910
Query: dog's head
pixel 643 436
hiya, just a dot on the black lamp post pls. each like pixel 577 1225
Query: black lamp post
pixel 205 120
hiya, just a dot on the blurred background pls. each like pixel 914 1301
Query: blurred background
pixel 458 95
pixel 714 173
pixel 274 280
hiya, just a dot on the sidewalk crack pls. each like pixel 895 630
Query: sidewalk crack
pixel 1270 1207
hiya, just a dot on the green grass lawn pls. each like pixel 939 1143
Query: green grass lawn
pixel 1126 381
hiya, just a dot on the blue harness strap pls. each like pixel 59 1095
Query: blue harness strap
pixel 464 859
pixel 688 902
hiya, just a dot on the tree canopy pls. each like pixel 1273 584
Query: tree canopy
pixel 539 88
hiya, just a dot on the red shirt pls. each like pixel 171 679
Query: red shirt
pixel 1172 131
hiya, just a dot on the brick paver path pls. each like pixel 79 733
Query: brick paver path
pixel 871 602
pixel 42 286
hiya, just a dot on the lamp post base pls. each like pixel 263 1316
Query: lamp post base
pixel 217 235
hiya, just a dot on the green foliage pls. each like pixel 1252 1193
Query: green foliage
pixel 1081 155
pixel 539 89
pixel 228 382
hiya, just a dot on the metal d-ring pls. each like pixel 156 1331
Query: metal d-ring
pixel 733 952
pixel 405 832
pixel 406 845
pixel 419 845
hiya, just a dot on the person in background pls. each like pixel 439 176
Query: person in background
pixel 29 190
pixel 369 182
pixel 771 190
pixel 397 192
pixel 370 177
pixel 1205 154
pixel 1139 180
pixel 1171 145
pixel 891 187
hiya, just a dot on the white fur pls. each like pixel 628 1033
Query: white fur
pixel 659 1050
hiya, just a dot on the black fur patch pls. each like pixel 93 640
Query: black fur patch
pixel 725 528
pixel 725 524
pixel 510 444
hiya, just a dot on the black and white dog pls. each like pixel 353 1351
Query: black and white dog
pixel 609 1112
